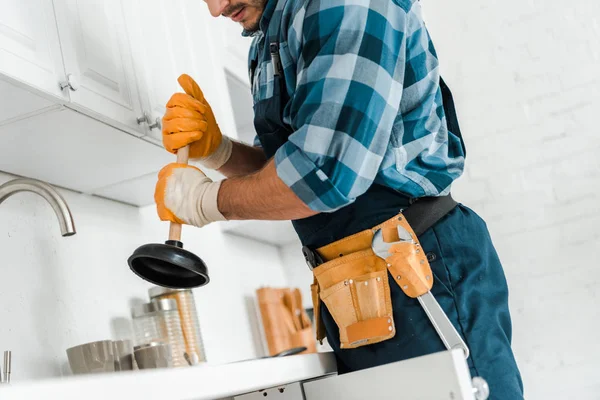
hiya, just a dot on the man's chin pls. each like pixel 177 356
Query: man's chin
pixel 250 28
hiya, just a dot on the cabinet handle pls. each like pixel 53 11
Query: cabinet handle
pixel 155 125
pixel 72 83
pixel 142 119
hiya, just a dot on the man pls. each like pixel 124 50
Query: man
pixel 354 125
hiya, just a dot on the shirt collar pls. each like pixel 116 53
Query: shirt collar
pixel 264 20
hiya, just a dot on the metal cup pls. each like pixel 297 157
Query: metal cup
pixel 153 355
pixel 90 358
pixel 123 352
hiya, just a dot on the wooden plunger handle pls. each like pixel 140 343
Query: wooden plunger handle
pixel 183 155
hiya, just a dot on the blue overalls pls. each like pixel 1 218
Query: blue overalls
pixel 469 282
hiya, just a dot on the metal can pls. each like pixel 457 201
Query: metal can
pixel 188 317
pixel 158 321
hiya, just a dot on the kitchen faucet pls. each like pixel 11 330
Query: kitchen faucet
pixel 61 209
pixel 65 220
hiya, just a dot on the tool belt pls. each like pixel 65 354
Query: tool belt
pixel 352 280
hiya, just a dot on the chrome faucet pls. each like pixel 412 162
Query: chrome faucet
pixel 65 220
pixel 61 209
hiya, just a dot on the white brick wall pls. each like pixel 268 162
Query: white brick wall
pixel 525 75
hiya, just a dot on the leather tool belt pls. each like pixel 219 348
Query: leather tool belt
pixel 353 281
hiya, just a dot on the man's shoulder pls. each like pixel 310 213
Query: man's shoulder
pixel 406 5
pixel 293 7
pixel 294 14
pixel 292 11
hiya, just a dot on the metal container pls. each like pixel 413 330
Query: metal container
pixel 158 321
pixel 188 317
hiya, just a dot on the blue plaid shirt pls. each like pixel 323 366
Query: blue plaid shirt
pixel 365 103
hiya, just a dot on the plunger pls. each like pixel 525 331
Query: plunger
pixel 170 265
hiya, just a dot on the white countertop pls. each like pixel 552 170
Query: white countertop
pixel 197 383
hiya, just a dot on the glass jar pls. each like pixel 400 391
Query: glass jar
pixel 158 321
pixel 188 316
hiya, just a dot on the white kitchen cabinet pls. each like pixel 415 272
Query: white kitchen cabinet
pixel 242 108
pixel 29 45
pixel 137 191
pixel 219 96
pixel 159 54
pixel 16 103
pixel 234 49
pixel 97 57
pixel 122 59
pixel 169 38
pixel 69 149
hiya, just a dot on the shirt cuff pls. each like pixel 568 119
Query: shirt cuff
pixel 307 181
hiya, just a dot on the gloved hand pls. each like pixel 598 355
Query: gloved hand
pixel 186 196
pixel 189 120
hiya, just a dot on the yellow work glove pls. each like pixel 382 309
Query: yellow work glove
pixel 189 120
pixel 186 196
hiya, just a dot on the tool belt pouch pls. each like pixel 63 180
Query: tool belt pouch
pixel 407 262
pixel 356 291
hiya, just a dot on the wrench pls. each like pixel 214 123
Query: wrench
pixel 435 313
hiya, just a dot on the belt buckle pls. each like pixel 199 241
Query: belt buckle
pixel 313 259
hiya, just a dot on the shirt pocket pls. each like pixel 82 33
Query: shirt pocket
pixel 263 85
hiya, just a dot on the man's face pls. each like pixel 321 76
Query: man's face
pixel 246 12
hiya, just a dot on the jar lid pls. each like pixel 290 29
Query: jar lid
pixel 157 291
pixel 154 306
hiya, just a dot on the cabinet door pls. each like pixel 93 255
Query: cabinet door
pixel 234 49
pixel 160 53
pixel 207 51
pixel 170 37
pixel 29 45
pixel 97 54
pixel 230 54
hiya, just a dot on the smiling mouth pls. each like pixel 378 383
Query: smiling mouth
pixel 236 15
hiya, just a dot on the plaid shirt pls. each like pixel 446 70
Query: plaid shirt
pixel 365 103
